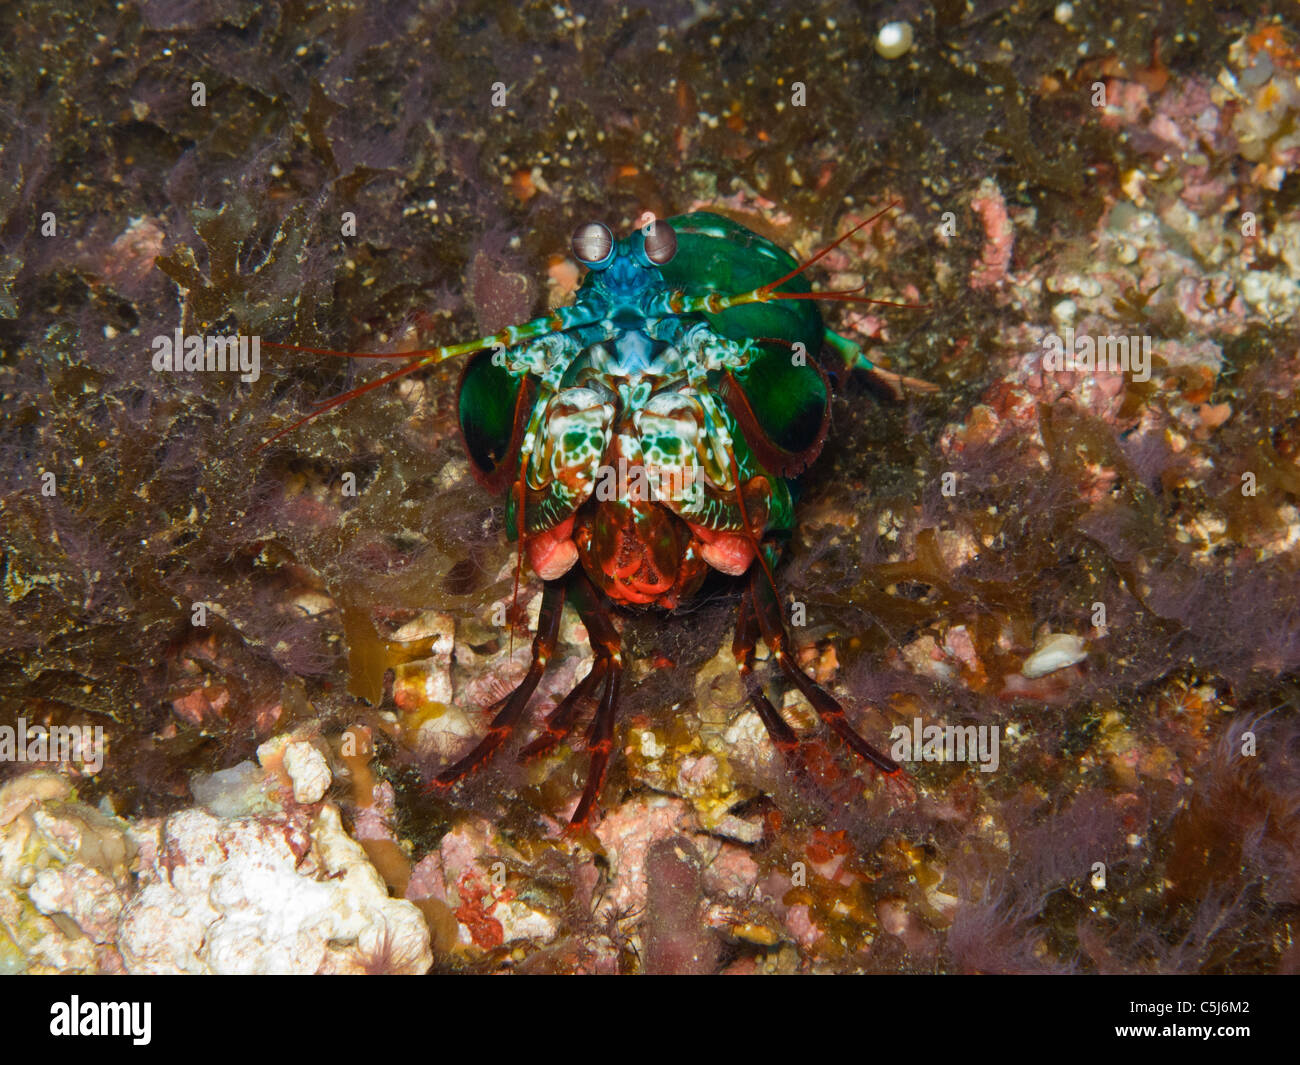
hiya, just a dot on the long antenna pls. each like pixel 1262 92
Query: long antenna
pixel 831 247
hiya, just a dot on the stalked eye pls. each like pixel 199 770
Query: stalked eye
pixel 660 243
pixel 593 245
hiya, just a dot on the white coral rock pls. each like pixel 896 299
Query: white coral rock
pixel 63 876
pixel 274 894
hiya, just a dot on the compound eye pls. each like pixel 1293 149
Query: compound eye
pixel 660 243
pixel 593 244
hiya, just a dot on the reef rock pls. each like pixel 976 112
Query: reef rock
pixel 270 894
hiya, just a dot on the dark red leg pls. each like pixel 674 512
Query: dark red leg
pixel 600 742
pixel 742 647
pixel 606 643
pixel 606 674
pixel 548 629
pixel 768 611
pixel 559 722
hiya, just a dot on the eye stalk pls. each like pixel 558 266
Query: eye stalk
pixel 593 245
pixel 660 243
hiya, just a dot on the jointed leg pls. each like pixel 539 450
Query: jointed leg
pixel 768 611
pixel 559 722
pixel 548 629
pixel 606 644
pixel 600 741
pixel 606 673
pixel 604 641
pixel 742 647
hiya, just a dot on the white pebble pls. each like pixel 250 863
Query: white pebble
pixel 894 40
pixel 1054 652
pixel 308 770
